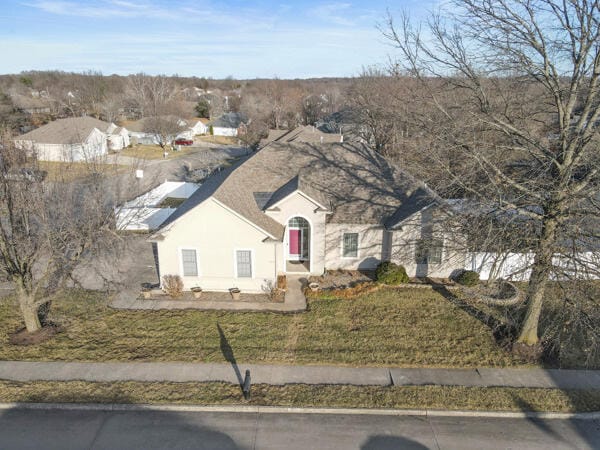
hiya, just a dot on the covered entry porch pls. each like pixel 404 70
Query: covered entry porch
pixel 297 246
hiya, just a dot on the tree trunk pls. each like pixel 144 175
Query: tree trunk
pixel 30 314
pixel 29 308
pixel 538 280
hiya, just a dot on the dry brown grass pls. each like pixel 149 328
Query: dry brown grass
pixel 71 171
pixel 405 327
pixel 405 397
pixel 222 140
pixel 154 152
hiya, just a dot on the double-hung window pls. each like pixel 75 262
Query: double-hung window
pixel 429 251
pixel 350 245
pixel 243 261
pixel 189 262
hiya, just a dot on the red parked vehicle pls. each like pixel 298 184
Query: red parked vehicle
pixel 184 142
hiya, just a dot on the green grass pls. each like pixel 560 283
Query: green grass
pixel 407 327
pixel 296 395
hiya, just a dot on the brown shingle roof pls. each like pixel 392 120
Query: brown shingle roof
pixel 358 185
pixel 72 130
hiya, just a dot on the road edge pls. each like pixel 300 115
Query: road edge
pixel 297 410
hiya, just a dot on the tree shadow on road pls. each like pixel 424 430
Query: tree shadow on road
pixel 73 428
pixel 379 442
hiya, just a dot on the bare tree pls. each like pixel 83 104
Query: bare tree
pixel 509 92
pixel 47 228
pixel 165 128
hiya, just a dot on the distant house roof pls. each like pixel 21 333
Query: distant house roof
pixel 356 184
pixel 141 125
pixel 229 120
pixel 28 103
pixel 65 131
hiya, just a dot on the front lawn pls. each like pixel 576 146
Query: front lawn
pixel 70 171
pixel 153 152
pixel 297 395
pixel 408 327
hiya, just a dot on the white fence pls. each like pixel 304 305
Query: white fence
pixel 517 266
pixel 143 214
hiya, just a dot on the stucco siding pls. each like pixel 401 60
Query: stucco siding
pixel 370 247
pixel 297 205
pixel 216 233
pixel 423 226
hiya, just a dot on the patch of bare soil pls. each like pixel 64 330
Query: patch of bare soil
pixel 528 353
pixel 341 279
pixel 24 337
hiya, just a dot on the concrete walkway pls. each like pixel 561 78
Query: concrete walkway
pixel 281 374
pixel 295 301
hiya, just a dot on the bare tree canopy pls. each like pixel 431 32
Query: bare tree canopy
pixel 47 228
pixel 508 113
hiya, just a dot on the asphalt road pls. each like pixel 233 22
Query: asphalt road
pixel 60 429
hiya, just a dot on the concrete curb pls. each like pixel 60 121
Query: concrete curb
pixel 296 410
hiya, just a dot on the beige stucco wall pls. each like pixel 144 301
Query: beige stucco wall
pixel 405 238
pixel 298 205
pixel 370 239
pixel 215 233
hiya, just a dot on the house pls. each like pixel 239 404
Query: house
pixel 349 122
pixel 31 105
pixel 73 139
pixel 139 129
pixel 302 208
pixel 229 124
pixel 194 127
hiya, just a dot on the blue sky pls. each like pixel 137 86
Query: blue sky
pixel 244 39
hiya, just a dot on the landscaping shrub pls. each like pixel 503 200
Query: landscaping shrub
pixel 391 273
pixel 468 278
pixel 173 285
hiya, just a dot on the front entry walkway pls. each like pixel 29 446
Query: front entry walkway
pixel 295 301
pixel 297 266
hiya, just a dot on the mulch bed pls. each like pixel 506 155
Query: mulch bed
pixel 24 337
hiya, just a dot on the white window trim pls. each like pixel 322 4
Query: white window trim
pixel 357 245
pixel 180 257
pixel 235 269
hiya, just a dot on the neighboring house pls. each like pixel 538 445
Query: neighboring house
pixel 31 105
pixel 194 127
pixel 305 133
pixel 73 139
pixel 229 124
pixel 348 122
pixel 303 208
pixel 118 139
pixel 148 211
pixel 138 130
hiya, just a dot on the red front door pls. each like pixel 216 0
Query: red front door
pixel 294 243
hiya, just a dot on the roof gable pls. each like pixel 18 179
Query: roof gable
pixel 73 130
pixel 355 184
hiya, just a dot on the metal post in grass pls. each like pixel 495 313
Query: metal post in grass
pixel 246 386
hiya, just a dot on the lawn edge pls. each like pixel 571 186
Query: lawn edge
pixel 125 407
